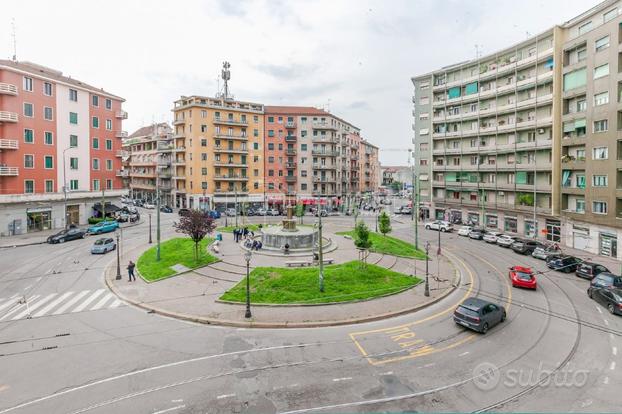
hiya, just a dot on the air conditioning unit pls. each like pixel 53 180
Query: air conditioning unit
pixel 541 131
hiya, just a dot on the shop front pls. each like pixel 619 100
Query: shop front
pixel 39 219
pixel 73 214
pixel 511 225
pixel 473 219
pixel 492 222
pixel 553 230
pixel 608 245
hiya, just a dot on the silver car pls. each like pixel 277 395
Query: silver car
pixel 103 245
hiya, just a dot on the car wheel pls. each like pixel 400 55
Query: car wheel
pixel 589 293
pixel 427 227
pixel 485 327
pixel 83 235
pixel 611 308
pixel 444 230
pixel 503 317
pixel 61 240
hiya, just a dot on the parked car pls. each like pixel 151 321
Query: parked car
pixel 134 217
pixel 261 211
pixel 230 212
pixel 322 211
pixel 589 270
pixel 183 212
pixel 122 217
pixel 138 202
pixel 66 235
pixel 149 206
pixel 130 209
pixel 215 214
pixel 103 227
pixel 551 257
pixel 166 209
pixel 478 314
pixel 405 210
pixel 464 231
pixel 103 245
pixel 491 236
pixel 607 280
pixel 522 276
pixel 386 201
pixel 609 298
pixel 542 252
pixel 525 246
pixel 566 264
pixel 249 212
pixel 476 234
pixel 505 240
pixel 439 225
pixel 273 212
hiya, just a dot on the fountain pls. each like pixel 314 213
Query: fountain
pixel 299 239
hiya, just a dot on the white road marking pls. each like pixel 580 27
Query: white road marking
pixel 342 379
pixel 176 401
pixel 71 302
pixel 614 350
pixel 115 304
pixel 51 306
pixel 387 373
pixel 38 279
pixel 8 303
pixel 612 366
pixel 464 353
pixel 598 309
pixel 606 380
pixel 35 306
pixel 220 397
pixel 19 307
pixel 606 322
pixel 14 296
pixel 103 301
pixel 88 300
pixel 429 365
pixel 170 409
pixel 27 287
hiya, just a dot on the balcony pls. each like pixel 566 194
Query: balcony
pixel 290 138
pixel 290 165
pixel 290 178
pixel 145 186
pixel 165 173
pixel 179 121
pixel 230 191
pixel 179 162
pixel 121 115
pixel 9 171
pixel 6 116
pixel 165 148
pixel 229 121
pixel 120 134
pixel 123 173
pixel 122 154
pixel 178 149
pixel 325 153
pixel 230 177
pixel 291 152
pixel 8 89
pixel 325 180
pixel 324 166
pixel 8 144
pixel 326 140
pixel 289 124
pixel 232 136
pixel 323 125
pixel 229 150
pixel 230 164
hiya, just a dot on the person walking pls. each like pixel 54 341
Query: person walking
pixel 236 235
pixel 130 271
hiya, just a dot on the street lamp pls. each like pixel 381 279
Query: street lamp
pixel 150 228
pixel 65 187
pixel 320 253
pixel 247 256
pixel 438 252
pixel 427 282
pixel 118 258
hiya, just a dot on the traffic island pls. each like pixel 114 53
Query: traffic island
pixel 388 245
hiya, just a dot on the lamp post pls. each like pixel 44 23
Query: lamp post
pixel 236 207
pixel 150 229
pixel 426 292
pixel 438 252
pixel 247 256
pixel 65 187
pixel 118 259
pixel 320 253
pixel 416 213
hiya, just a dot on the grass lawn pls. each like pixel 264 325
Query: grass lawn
pixel 172 252
pixel 229 229
pixel 389 245
pixel 342 283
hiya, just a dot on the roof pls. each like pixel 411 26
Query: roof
pixel 474 303
pixel 146 130
pixel 301 110
pixel 53 74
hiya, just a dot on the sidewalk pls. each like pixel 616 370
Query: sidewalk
pixel 194 295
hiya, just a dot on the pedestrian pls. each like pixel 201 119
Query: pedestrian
pixel 130 271
pixel 245 231
pixel 254 245
pixel 236 235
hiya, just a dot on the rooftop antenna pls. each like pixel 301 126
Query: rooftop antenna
pixel 478 51
pixel 226 76
pixel 328 105
pixel 14 40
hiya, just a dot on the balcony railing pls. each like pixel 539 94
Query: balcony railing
pixel 230 177
pixel 6 116
pixel 323 125
pixel 230 164
pixel 9 171
pixel 220 148
pixel 227 121
pixel 290 165
pixel 290 152
pixel 179 121
pixel 9 143
pixel 325 166
pixel 290 138
pixel 232 136
pixel 121 134
pixel 123 173
pixel 289 124
pixel 121 115
pixel 232 191
pixel 122 153
pixel 290 178
pixel 325 153
pixel 8 89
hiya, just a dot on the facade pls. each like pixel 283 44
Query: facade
pixel 400 174
pixel 149 167
pixel 523 140
pixel 56 133
pixel 370 167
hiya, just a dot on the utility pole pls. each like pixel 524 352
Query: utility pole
pixel 416 206
pixel 320 254
pixel 65 188
pixel 157 216
pixel 427 283
pixel 103 199
pixel 236 207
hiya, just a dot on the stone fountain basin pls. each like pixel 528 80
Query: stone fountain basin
pixel 275 237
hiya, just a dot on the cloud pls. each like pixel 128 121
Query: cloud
pixel 359 105
pixel 287 72
pixel 235 8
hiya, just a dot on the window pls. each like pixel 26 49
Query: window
pixel 73 163
pixel 109 124
pixel 584 28
pixel 95 100
pixel 95 122
pixel 73 118
pixel 580 181
pixel 581 54
pixel 73 184
pixel 600 153
pixel 73 141
pixel 47 90
pixel 270 132
pixel 108 104
pixel 29 161
pixel 601 71
pixel 601 126
pixel 599 180
pixel 270 119
pixel 48 162
pixel 95 163
pixel 580 205
pixel 602 43
pixel 95 143
pixel 48 114
pixel 303 147
pixel 28 84
pixel 28 110
pixel 424 100
pixel 610 15
pixel 601 98
pixel 29 186
pixel 581 105
pixel 29 136
pixel 108 144
pixel 575 79
pixel 270 146
pixel 73 95
pixel 109 165
pixel 48 138
pixel 49 186
pixel 599 207
pixel 96 185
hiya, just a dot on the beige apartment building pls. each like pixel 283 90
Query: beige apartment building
pixel 525 140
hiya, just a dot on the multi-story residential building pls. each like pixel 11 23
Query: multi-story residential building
pixel 56 134
pixel 150 168
pixel 370 167
pixel 218 152
pixel 524 140
pixel 396 174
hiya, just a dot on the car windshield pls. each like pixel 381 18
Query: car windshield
pixel 524 276
pixel 466 311
pixel 100 242
pixel 603 281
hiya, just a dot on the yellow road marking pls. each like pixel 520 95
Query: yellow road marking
pixel 505 279
pixel 423 351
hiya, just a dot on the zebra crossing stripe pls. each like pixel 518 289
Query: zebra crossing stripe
pixel 102 301
pixel 34 306
pixel 90 299
pixel 52 305
pixel 8 303
pixel 116 303
pixel 19 307
pixel 71 302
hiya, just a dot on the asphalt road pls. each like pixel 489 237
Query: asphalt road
pixel 557 351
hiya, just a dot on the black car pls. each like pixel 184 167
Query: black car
pixel 524 246
pixel 66 235
pixel 479 315
pixel 589 270
pixel 609 298
pixel 606 280
pixel 166 209
pixel 183 212
pixel 138 202
pixel 566 264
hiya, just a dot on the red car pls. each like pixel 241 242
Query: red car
pixel 523 277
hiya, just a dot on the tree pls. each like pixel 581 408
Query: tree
pixel 196 225
pixel 361 240
pixel 396 186
pixel 300 212
pixel 384 223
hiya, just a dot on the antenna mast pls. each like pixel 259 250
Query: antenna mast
pixel 226 76
pixel 14 40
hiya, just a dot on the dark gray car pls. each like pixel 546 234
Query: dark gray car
pixel 479 315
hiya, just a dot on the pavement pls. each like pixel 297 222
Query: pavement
pixel 193 295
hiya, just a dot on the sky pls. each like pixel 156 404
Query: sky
pixel 354 58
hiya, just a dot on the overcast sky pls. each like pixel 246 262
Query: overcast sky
pixel 354 57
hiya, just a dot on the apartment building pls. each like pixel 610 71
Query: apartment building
pixel 218 154
pixel 523 140
pixel 370 167
pixel 396 174
pixel 56 133
pixel 150 163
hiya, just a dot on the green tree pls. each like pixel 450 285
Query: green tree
pixel 196 224
pixel 361 236
pixel 384 223
pixel 396 186
pixel 300 212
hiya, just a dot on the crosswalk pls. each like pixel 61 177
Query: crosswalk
pixel 36 306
